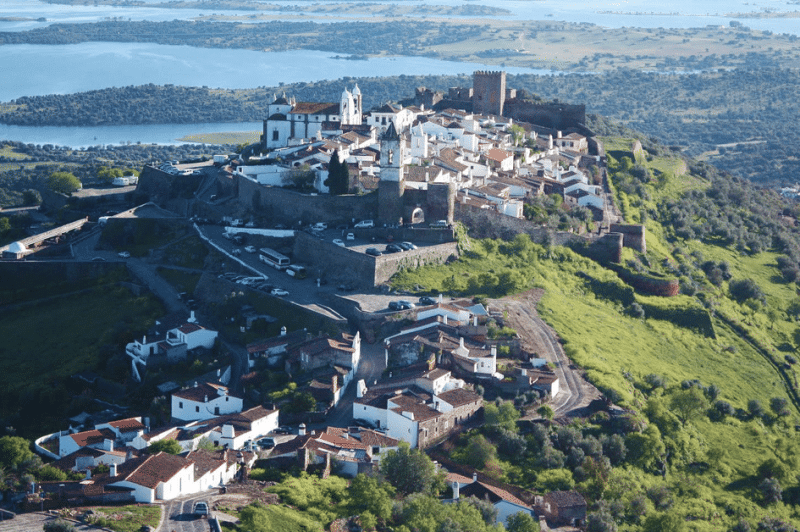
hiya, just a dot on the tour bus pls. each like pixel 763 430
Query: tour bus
pixel 296 271
pixel 273 258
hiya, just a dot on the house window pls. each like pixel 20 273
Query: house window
pixel 197 409
pixel 275 134
pixel 180 404
pixel 216 410
pixel 383 120
pixel 226 398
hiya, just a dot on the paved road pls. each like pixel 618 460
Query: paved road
pixel 373 362
pixel 178 516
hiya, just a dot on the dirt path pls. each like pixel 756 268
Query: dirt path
pixel 537 337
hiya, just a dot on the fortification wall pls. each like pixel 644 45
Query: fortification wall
pixel 281 204
pixel 343 265
pixel 486 224
pixel 550 115
pixel 634 236
pixel 489 92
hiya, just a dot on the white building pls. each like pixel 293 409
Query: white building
pixel 204 401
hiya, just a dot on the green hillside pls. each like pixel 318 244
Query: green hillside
pixel 720 401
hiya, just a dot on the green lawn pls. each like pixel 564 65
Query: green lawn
pixel 127 518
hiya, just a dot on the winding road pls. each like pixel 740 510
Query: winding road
pixel 537 337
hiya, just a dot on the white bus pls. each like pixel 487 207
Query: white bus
pixel 273 258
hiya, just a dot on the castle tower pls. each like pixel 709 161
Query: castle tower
pixel 489 92
pixel 392 184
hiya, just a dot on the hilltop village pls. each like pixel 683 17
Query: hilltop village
pixel 317 217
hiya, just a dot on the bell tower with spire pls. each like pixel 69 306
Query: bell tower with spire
pixel 392 184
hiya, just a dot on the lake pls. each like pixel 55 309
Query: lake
pixel 83 137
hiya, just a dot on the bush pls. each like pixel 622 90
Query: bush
pixel 742 290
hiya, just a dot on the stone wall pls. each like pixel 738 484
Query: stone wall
pixel 550 115
pixel 633 236
pixel 343 265
pixel 435 429
pixel 287 205
pixel 488 92
pixel 486 224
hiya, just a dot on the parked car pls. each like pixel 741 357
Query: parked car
pixel 237 252
pixel 279 292
pixel 350 236
pixel 394 305
pixel 283 429
pixel 407 246
pixel 201 508
pixel 319 226
pixel 406 305
pixel 393 248
pixel 365 224
pixel 266 443
pixel 124 254
pixel 374 252
pixel 338 242
pixel 439 224
pixel 427 300
pixel 250 249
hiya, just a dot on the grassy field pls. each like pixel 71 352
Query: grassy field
pixel 8 152
pixel 127 518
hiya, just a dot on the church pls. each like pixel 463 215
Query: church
pixel 291 123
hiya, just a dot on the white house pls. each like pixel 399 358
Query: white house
pixel 171 338
pixel 204 401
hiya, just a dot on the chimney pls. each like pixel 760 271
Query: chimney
pixel 301 429
pixel 494 351
pixel 461 342
pixel 195 384
pixel 144 340
pixel 441 298
pixel 88 474
pixel 456 493
pixel 205 400
pixel 445 319
pixel 191 319
pixel 475 476
pixel 558 134
pixel 128 455
pixel 219 372
pixel 112 470
pixel 225 455
pixel 474 321
pixel 283 331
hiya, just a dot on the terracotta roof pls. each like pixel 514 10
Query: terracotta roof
pixel 455 477
pixel 376 439
pixel 459 397
pixel 93 436
pixel 201 391
pixel 420 410
pixel 497 154
pixel 494 494
pixel 127 425
pixel 256 413
pixel 206 461
pixel 436 373
pixel 565 499
pixel 156 469
pixel 288 338
pixel 314 108
pixel 189 328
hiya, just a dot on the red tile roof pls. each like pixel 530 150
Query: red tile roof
pixel 201 391
pixel 156 469
pixel 459 397
pixel 127 425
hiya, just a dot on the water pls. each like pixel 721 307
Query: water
pixel 83 137
pixel 65 69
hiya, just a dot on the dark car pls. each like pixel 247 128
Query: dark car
pixel 406 305
pixel 427 300
pixel 394 305
pixel 283 430
pixel 266 443
pixel 374 252
pixel 408 246
pixel 393 248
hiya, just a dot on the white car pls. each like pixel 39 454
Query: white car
pixel 364 224
pixel 350 236
pixel 250 249
pixel 319 226
pixel 338 242
pixel 124 254
pixel 279 292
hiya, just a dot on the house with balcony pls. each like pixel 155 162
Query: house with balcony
pixel 169 341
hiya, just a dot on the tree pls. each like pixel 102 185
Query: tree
pixel 5 225
pixel 521 522
pixel 410 470
pixel 754 408
pixel 667 522
pixel 504 415
pixel 479 452
pixel 167 446
pixel 780 406
pixel 770 490
pixel 31 197
pixel 338 181
pixel 64 183
pixel 301 177
pixel 14 450
pixel 687 404
pixel 369 494
pixel 546 411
